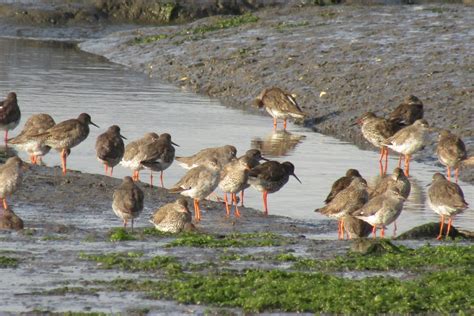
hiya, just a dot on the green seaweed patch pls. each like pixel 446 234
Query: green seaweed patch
pixel 282 26
pixel 133 261
pixel 53 238
pixel 8 262
pixel 120 234
pixel 61 291
pixel 257 291
pixel 423 258
pixel 218 24
pixel 231 240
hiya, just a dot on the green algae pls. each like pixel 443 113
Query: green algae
pixel 231 240
pixel 8 262
pixel 120 234
pixel 191 33
pixel 257 290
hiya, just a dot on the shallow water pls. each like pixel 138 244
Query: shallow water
pixel 61 80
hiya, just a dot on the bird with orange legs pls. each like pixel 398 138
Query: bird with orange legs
pixel 198 183
pixel 128 201
pixel 65 135
pixel 270 177
pixel 345 202
pixel 451 152
pixel 36 124
pixel 233 179
pixel 110 148
pixel 138 151
pixel 446 199
pixel 11 177
pixel 280 105
pixel 10 114
pixel 409 140
pixel 253 157
pixel 376 130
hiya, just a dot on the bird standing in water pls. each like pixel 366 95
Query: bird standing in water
pixel 280 105
pixel 451 152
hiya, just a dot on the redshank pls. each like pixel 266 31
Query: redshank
pixel 127 201
pixel 410 110
pixel 138 151
pixel 254 156
pixel 409 140
pixel 280 105
pixel 11 176
pixel 198 183
pixel 382 210
pixel 446 199
pixel 66 135
pixel 10 114
pixel 397 179
pixel 376 130
pixel 342 183
pixel 109 148
pixel 160 155
pixel 9 220
pixel 36 124
pixel 451 152
pixel 222 155
pixel 270 177
pixel 233 179
pixel 172 217
pixel 345 202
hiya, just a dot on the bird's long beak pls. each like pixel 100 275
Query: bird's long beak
pixel 121 136
pixel 94 124
pixel 294 175
pixel 174 144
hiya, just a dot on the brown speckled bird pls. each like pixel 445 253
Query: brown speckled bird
pixel 233 179
pixel 110 148
pixel 11 177
pixel 36 124
pixel 172 217
pixel 138 151
pixel 128 201
pixel 451 152
pixel 410 110
pixel 376 130
pixel 65 135
pixel 254 156
pixel 409 140
pixel 9 220
pixel 446 199
pixel 270 177
pixel 10 114
pixel 342 183
pixel 345 202
pixel 222 155
pixel 280 105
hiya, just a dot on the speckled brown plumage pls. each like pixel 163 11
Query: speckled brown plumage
pixel 410 110
pixel 138 151
pixel 110 148
pixel 222 155
pixel 11 177
pixel 127 201
pixel 451 152
pixel 446 199
pixel 172 217
pixel 342 183
pixel 397 180
pixel 9 220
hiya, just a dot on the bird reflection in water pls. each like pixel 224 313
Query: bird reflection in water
pixel 278 143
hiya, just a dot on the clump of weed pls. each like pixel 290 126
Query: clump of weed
pixel 281 26
pixel 8 262
pixel 231 240
pixel 120 234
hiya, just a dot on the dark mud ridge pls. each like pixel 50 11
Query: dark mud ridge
pixel 73 256
pixel 340 61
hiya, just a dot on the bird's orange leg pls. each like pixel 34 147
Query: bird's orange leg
pixel 382 232
pixel 242 198
pixel 450 222
pixel 161 179
pixel 448 172
pixel 6 137
pixel 4 203
pixel 284 124
pixel 456 172
pixel 380 160
pixel 106 168
pixel 374 232
pixel 342 228
pixel 265 205
pixel 274 123
pixel 63 160
pixel 196 216
pixel 400 161
pixel 441 224
pixel 199 210
pixel 32 159
pixel 111 171
pixel 227 209
pixel 407 165
pixel 386 161
pixel 234 198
